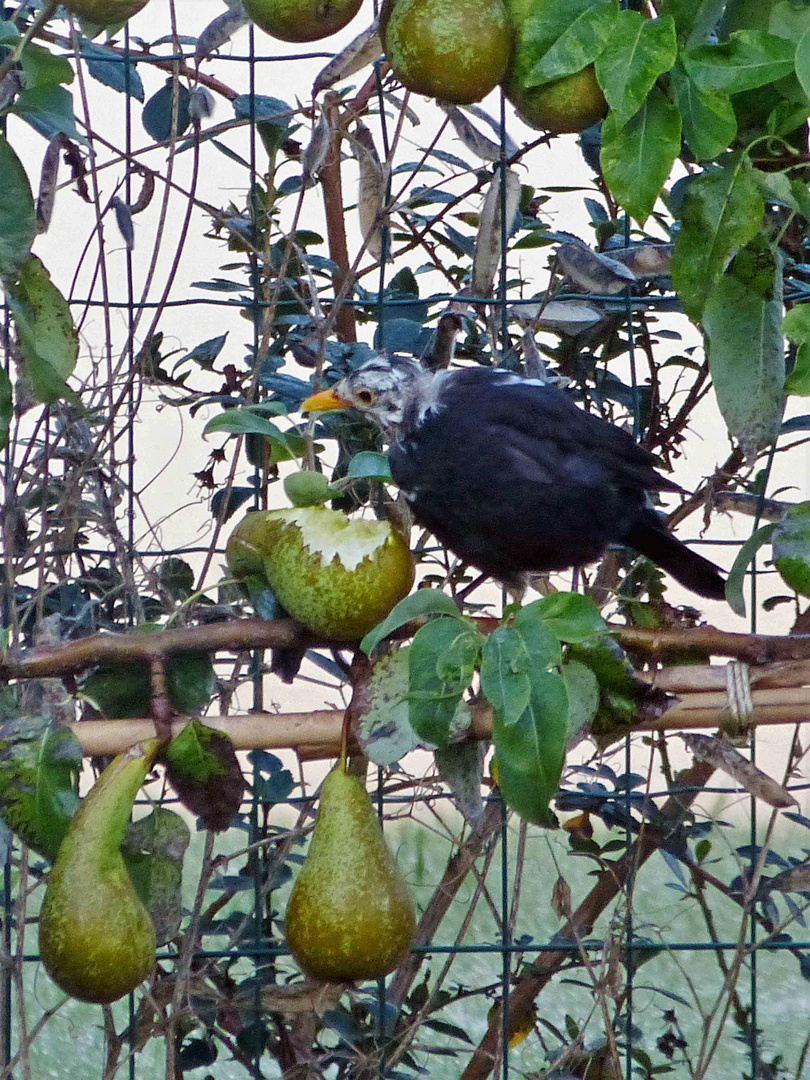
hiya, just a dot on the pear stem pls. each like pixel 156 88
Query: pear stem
pixel 344 738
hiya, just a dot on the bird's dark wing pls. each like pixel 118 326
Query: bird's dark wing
pixel 512 476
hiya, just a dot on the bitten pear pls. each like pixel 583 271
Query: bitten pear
pixel 350 915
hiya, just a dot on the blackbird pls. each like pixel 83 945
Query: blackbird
pixel 511 475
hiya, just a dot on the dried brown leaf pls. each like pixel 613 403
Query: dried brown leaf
pixel 372 191
pixel 220 30
pixel 590 271
pixel 359 53
pixel 722 755
pixel 488 242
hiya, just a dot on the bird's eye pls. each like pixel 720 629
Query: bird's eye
pixel 365 397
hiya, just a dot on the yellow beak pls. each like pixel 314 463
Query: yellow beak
pixel 324 401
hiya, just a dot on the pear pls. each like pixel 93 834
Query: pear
pixel 337 575
pixel 96 938
pixel 302 20
pixel 105 12
pixel 349 915
pixel 453 50
pixel 568 104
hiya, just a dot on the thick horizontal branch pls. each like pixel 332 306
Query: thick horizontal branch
pixel 237 634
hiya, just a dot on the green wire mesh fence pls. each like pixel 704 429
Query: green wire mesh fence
pixel 225 236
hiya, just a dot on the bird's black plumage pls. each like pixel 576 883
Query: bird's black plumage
pixel 513 477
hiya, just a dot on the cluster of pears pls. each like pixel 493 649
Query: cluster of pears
pixel 96 938
pixel 350 915
pixel 460 50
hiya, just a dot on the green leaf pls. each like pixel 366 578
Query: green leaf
pixel 49 110
pixel 250 420
pixel 576 42
pixel 570 616
pixel 639 50
pixel 722 211
pixel 369 465
pixel 796 327
pixel 750 58
pixel 504 680
pixel 40 763
pixel 49 342
pixel 190 682
pixel 530 754
pixel 439 671
pixel 18 216
pixel 747 360
pixel 803 61
pixel 6 406
pixel 42 68
pixel 745 556
pixel 709 123
pixel 582 687
pixel 637 156
pixel 419 604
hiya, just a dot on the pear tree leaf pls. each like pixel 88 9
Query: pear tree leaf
pixel 571 43
pixel 250 420
pixel 639 50
pixel 49 111
pixel 40 762
pixel 637 157
pixel 42 68
pixel 747 359
pixel 748 59
pixel 369 465
pixel 203 769
pixel 570 616
pixel 157 112
pixel 803 61
pixel 111 69
pixel 153 851
pixel 49 342
pixel 18 217
pixel 709 122
pixel 582 687
pixel 722 210
pixel 440 668
pixel 419 604
pixel 505 681
pixel 796 328
pixel 530 754
pixel 384 730
pixel 745 556
pixel 461 767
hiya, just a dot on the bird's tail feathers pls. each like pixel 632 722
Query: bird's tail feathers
pixel 650 537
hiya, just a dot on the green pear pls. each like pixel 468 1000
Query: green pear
pixel 349 915
pixel 96 938
pixel 453 50
pixel 105 12
pixel 302 20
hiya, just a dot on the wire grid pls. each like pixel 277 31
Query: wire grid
pixel 503 948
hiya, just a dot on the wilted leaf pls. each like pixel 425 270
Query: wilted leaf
pixel 488 241
pixel 723 756
pixel 372 192
pixel 359 53
pixel 461 767
pixel 590 271
pixel 153 851
pixel 220 30
pixel 202 766
pixel 384 730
